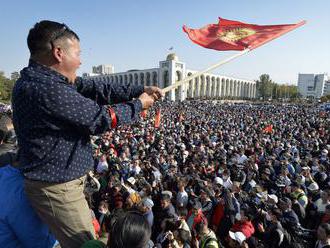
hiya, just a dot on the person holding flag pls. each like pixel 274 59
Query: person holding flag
pixel 54 114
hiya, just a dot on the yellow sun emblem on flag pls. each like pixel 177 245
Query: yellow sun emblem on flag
pixel 236 34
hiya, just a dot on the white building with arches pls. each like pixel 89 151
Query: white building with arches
pixel 206 86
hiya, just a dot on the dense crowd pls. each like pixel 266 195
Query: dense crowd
pixel 232 175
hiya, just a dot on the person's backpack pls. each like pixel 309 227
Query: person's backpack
pixel 210 239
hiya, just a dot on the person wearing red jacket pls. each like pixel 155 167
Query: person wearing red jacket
pixel 243 224
pixel 218 213
pixel 195 216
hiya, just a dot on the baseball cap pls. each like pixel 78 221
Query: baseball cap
pixel 273 197
pixel 168 193
pixel 313 186
pixel 238 236
pixel 131 180
pixel 147 202
pixel 218 180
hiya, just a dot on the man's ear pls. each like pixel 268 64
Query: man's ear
pixel 58 53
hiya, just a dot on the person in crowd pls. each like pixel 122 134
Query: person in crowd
pixel 54 114
pixel 323 236
pixel 146 208
pixel 323 201
pixel 205 236
pixel 131 230
pixel 243 223
pixel 229 214
pixel 179 239
pixel 195 216
pixel 20 226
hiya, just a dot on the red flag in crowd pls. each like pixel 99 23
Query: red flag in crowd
pixel 235 35
pixel 157 118
pixel 268 129
pixel 323 114
pixel 144 114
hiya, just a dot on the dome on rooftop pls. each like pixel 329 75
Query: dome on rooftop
pixel 172 56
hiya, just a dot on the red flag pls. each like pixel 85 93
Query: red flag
pixel 144 114
pixel 157 118
pixel 323 114
pixel 234 35
pixel 268 129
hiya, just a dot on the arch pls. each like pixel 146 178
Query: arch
pixel 242 89
pixel 111 79
pixel 231 88
pixel 223 87
pixel 217 93
pixel 251 91
pixel 125 78
pixel 227 88
pixel 239 89
pixel 121 79
pixel 148 82
pixel 190 87
pixel 234 88
pixel 130 78
pixel 142 78
pixel 202 85
pixel 208 87
pixel 154 78
pixel 136 79
pixel 196 88
pixel 178 90
pixel 213 87
pixel 166 81
pixel 245 89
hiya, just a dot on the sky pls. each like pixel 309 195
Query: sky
pixel 136 34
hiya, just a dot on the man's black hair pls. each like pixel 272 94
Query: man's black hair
pixel 42 36
pixel 130 230
pixel 184 236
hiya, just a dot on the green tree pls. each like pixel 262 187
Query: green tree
pixel 265 86
pixel 6 87
pixel 14 75
pixel 268 89
pixel 325 98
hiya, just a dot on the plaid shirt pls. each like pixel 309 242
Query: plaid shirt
pixel 54 119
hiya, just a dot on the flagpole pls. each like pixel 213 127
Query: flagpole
pixel 197 74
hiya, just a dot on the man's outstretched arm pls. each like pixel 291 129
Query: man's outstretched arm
pixel 104 92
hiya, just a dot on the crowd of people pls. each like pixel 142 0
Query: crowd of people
pixel 215 175
pixel 204 175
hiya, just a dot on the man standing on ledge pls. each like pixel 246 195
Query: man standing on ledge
pixel 54 113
